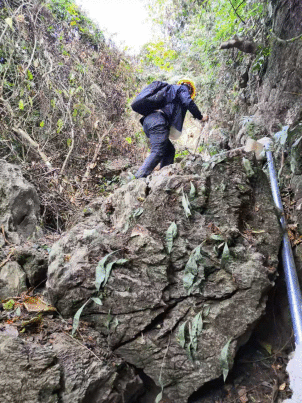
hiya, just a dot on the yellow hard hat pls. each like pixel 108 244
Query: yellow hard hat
pixel 190 83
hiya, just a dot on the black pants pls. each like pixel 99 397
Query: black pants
pixel 157 130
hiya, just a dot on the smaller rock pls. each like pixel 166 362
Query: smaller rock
pixel 35 264
pixel 12 280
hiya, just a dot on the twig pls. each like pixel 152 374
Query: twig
pixel 16 12
pixel 7 259
pixel 293 93
pixel 235 10
pixel 3 233
pixel 162 364
pixel 83 345
pixel 33 143
pixel 97 150
pixel 69 152
pixel 32 55
pixel 285 40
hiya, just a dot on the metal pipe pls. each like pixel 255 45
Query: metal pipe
pixel 291 278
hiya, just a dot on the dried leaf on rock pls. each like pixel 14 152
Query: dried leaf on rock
pixel 36 304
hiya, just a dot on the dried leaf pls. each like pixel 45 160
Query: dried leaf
pixel 170 235
pixel 9 22
pixel 267 346
pixel 282 386
pixel 36 304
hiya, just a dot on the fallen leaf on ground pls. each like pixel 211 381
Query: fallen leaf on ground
pixel 36 304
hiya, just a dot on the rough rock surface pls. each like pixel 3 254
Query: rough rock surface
pixel 64 371
pixel 29 373
pixel 34 262
pixel 19 203
pixel 12 280
pixel 148 309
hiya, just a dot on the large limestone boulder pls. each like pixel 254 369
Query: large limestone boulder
pixel 29 373
pixel 19 203
pixel 172 307
pixel 64 371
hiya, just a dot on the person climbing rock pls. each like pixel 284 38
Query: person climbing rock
pixel 166 123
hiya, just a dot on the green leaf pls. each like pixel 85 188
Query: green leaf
pixel 121 261
pixel 137 212
pixel 225 257
pixel 206 310
pixel 170 235
pixel 68 141
pixel 100 271
pixel 192 191
pixel 217 237
pixel 108 269
pixel 18 311
pixel 97 300
pixel 188 280
pixel 76 318
pixel 197 325
pixel 29 75
pixel 182 335
pixel 60 125
pixel 42 123
pixel 159 397
pixel 21 104
pixel 186 204
pixel 9 305
pixel 224 361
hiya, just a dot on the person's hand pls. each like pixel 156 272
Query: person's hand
pixel 205 118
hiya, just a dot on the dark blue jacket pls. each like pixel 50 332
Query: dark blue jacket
pixel 181 101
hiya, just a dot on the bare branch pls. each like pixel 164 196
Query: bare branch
pixel 241 44
pixel 285 40
pixel 34 144
pixel 235 11
pixel 96 153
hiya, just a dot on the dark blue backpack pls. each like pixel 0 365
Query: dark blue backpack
pixel 154 96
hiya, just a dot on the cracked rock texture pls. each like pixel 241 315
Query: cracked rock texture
pixel 19 203
pixel 63 371
pixel 145 303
